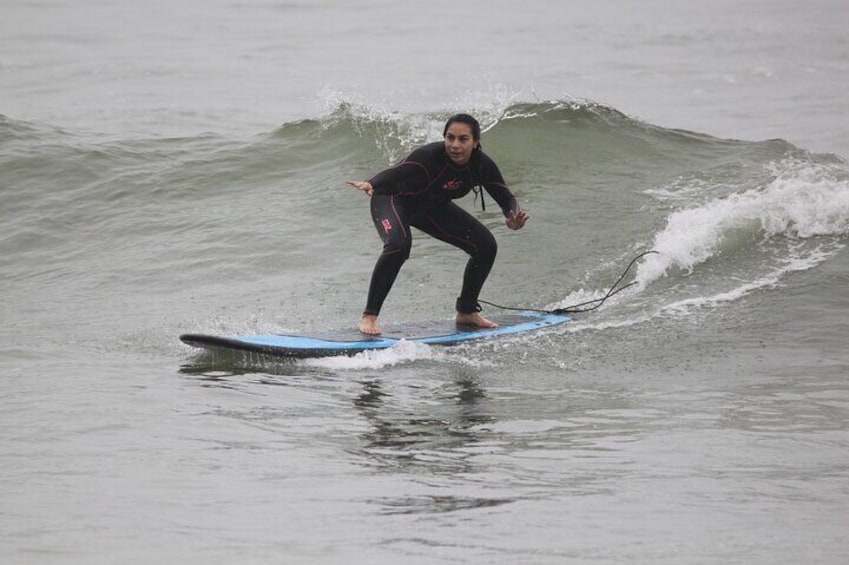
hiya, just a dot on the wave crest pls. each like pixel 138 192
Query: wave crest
pixel 803 200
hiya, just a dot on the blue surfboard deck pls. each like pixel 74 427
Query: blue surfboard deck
pixel 351 342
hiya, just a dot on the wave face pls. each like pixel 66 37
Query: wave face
pixel 271 216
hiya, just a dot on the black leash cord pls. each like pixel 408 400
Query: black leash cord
pixel 578 308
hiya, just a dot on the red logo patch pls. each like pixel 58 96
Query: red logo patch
pixel 453 184
pixel 387 225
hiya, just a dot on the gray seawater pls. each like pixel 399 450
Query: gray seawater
pixel 168 169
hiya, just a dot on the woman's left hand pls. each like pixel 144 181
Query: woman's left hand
pixel 516 220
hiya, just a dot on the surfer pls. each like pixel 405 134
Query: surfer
pixel 418 192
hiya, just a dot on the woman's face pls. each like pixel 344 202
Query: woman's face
pixel 459 143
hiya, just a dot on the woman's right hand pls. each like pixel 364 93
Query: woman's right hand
pixel 363 185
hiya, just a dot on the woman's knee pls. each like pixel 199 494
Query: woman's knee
pixel 399 247
pixel 486 247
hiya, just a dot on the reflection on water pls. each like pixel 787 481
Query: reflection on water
pixel 235 369
pixel 431 504
pixel 231 362
pixel 432 436
pixel 436 435
pixel 435 440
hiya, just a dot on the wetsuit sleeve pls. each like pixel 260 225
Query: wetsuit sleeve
pixel 411 171
pixel 496 187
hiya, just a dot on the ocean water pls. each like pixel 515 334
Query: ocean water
pixel 180 168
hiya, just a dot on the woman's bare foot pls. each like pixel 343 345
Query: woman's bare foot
pixel 368 325
pixel 475 319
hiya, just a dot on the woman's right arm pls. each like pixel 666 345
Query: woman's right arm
pixel 363 185
pixel 401 177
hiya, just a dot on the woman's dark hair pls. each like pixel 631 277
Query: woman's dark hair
pixel 464 119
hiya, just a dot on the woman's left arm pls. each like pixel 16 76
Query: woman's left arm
pixel 497 188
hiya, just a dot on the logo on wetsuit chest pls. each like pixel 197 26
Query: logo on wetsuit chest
pixel 453 184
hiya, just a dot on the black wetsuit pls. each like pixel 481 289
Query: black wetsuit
pixel 418 192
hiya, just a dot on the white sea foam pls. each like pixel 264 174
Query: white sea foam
pixel 403 352
pixel 578 297
pixel 802 201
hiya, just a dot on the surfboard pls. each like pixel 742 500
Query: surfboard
pixel 351 341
